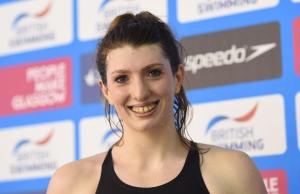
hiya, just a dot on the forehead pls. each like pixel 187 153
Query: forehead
pixel 129 56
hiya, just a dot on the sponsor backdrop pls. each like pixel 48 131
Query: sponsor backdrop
pixel 243 80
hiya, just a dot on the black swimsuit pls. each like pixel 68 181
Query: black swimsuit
pixel 189 180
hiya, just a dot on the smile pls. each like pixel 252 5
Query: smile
pixel 144 109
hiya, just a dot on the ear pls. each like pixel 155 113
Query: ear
pixel 179 76
pixel 104 91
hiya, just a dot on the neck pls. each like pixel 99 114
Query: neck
pixel 146 147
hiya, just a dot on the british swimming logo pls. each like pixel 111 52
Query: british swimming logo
pixel 31 25
pixel 43 12
pixel 244 118
pixel 23 142
pixel 235 132
pixel 196 10
pixel 242 124
pixel 35 150
pixel 96 15
pixel 32 155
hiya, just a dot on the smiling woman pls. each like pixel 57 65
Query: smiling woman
pixel 141 86
pixel 141 77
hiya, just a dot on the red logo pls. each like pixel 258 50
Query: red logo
pixel 275 181
pixel 296 30
pixel 36 86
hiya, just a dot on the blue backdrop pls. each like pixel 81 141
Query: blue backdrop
pixel 238 53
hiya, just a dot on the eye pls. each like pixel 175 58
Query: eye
pixel 153 73
pixel 121 79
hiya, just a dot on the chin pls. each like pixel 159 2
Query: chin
pixel 146 126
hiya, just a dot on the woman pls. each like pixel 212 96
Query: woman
pixel 141 77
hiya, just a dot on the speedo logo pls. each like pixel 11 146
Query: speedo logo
pixel 234 55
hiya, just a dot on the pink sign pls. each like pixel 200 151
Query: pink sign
pixel 36 86
pixel 275 181
pixel 296 31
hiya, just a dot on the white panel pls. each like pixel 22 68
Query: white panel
pixel 34 151
pixel 95 136
pixel 94 16
pixel 194 10
pixel 31 25
pixel 254 125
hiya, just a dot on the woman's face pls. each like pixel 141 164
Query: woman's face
pixel 141 86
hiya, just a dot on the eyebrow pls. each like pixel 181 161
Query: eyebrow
pixel 152 65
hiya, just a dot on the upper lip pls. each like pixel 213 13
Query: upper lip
pixel 143 104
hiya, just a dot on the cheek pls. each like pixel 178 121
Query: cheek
pixel 166 89
pixel 117 95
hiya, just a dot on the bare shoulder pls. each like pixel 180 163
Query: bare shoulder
pixel 81 176
pixel 230 171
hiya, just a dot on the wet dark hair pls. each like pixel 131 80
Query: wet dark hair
pixel 142 29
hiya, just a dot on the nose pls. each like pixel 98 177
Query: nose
pixel 140 90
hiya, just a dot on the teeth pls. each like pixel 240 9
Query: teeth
pixel 143 109
pixel 146 109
